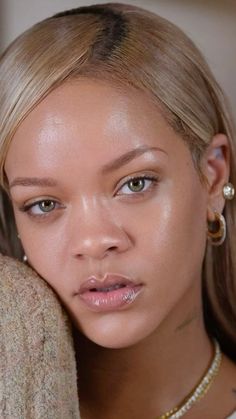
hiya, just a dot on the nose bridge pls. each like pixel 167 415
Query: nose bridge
pixel 96 231
pixel 94 210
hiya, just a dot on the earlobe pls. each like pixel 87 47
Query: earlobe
pixel 217 170
pixel 219 189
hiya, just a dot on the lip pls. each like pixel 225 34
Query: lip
pixel 123 291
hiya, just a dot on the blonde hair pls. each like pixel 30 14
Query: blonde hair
pixel 128 46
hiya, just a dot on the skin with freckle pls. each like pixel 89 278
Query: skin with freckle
pixel 69 137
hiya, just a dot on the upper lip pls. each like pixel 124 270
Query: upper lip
pixel 108 280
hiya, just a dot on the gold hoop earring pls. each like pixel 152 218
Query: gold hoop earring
pixel 228 191
pixel 217 230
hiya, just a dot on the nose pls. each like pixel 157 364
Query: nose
pixel 98 235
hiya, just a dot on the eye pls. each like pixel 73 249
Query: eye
pixel 40 208
pixel 137 185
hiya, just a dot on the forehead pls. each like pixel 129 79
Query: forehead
pixel 89 120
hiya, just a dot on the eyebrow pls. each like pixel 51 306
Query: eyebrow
pixel 109 167
pixel 33 181
pixel 127 157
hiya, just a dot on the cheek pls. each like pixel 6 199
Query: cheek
pixel 173 224
pixel 171 239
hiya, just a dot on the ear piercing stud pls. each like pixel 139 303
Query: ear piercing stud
pixel 228 191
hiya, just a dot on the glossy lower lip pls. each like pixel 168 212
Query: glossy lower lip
pixel 111 300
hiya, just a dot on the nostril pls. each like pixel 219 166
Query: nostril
pixel 112 248
pixel 99 245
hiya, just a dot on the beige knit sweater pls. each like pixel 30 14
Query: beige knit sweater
pixel 37 360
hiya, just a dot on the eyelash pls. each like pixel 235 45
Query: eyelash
pixel 153 179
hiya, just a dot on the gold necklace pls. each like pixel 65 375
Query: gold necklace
pixel 200 390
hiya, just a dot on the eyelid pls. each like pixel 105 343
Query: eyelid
pixel 147 176
pixel 27 207
pixel 136 175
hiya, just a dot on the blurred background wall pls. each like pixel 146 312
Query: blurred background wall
pixel 210 23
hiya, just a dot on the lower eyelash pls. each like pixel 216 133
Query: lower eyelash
pixel 26 209
pixel 154 180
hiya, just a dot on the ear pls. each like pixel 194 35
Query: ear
pixel 216 168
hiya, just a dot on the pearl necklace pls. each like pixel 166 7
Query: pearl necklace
pixel 199 391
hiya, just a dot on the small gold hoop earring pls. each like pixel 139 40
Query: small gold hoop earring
pixel 228 191
pixel 217 230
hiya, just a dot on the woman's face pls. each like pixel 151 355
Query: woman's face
pixel 77 152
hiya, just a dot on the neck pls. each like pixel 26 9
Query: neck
pixel 145 378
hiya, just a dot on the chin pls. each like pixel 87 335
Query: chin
pixel 114 332
pixel 113 341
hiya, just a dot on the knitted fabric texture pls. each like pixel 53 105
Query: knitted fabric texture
pixel 38 378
